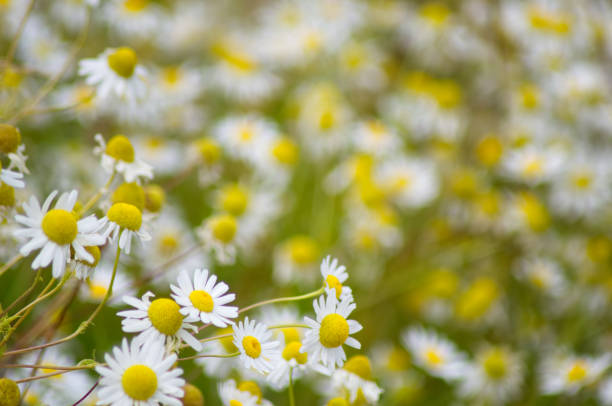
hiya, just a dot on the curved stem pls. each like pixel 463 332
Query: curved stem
pixel 234 354
pixel 24 294
pixel 83 326
pixel 284 299
pixel 51 367
pixel 291 396
pixel 11 262
pixel 22 23
pixel 43 295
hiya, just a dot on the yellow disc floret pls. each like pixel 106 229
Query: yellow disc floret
pixel 224 227
pixel 193 396
pixel 234 402
pixel 252 388
pixel 252 346
pixel 131 193
pixel 9 393
pixel 154 198
pixel 285 151
pixel 60 226
pixel 334 330
pixel 202 301
pixel 334 283
pixel 495 363
pixel 360 366
pixel 7 195
pixel 209 150
pixel 303 250
pixel 234 199
pixel 125 215
pixel 227 342
pixel 292 351
pixel 165 316
pixel 10 138
pixel 577 372
pixel 139 382
pixel 123 62
pixel 120 148
pixel 337 402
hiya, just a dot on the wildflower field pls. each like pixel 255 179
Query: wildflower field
pixel 305 202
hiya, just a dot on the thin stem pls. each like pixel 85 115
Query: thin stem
pixel 83 326
pixel 291 396
pixel 284 299
pixel 44 376
pixel 42 297
pixel 22 23
pixel 94 199
pixel 51 367
pixel 234 354
pixel 24 294
pixel 87 394
pixel 11 262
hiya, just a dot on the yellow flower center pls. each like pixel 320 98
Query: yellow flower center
pixel 224 228
pixel 252 346
pixel 477 299
pixel 303 250
pixel 337 402
pixel 291 334
pixel 131 193
pixel 60 226
pixel 155 197
pixel 171 76
pixel 359 365
pixel 327 120
pixel 168 244
pixel 165 316
pixel 489 150
pixel 7 195
pixel 582 180
pixel 193 396
pixel 292 351
pixel 9 392
pixel 209 150
pixel 533 168
pixel 202 301
pixel 252 388
pixel 227 342
pixel 546 21
pixel 120 148
pixel 535 213
pixel 11 77
pixel 495 363
pixel 435 13
pixel 125 215
pixel 285 151
pixel 139 382
pixel 334 331
pixel 97 291
pixel 577 372
pixel 10 138
pixel 530 96
pixel 334 283
pixel 234 402
pixel 135 6
pixel 123 61
pixel 433 357
pixel 238 60
pixel 234 199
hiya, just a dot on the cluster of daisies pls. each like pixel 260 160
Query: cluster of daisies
pixel 455 155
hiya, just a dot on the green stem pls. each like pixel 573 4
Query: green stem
pixel 285 299
pixel 291 396
pixel 11 262
pixel 97 196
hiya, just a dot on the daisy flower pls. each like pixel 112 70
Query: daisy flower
pixel 204 299
pixel 334 276
pixel 436 355
pixel 243 136
pixel 11 178
pixel 218 234
pixel 232 396
pixel 118 155
pixel 567 374
pixel 124 222
pixel 331 329
pixel 296 259
pixel 356 378
pixel 159 319
pixel 257 349
pixel 496 376
pixel 411 182
pixel 116 74
pixel 10 144
pixel 56 231
pixel 140 375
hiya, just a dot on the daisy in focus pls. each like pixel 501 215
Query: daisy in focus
pixel 204 299
pixel 140 374
pixel 355 377
pixel 158 320
pixel 118 155
pixel 55 231
pixel 257 349
pixel 124 222
pixel 232 396
pixel 334 275
pixel 330 330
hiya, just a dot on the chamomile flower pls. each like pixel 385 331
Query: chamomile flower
pixel 159 320
pixel 116 75
pixel 133 19
pixel 257 349
pixel 289 360
pixel 96 286
pixel 334 275
pixel 124 222
pixel 567 374
pixel 11 178
pixel 544 274
pixel 232 396
pixel 435 354
pixel 242 136
pixel 10 144
pixel 118 155
pixel 56 231
pixel 253 388
pixel 204 299
pixel 218 233
pixel 295 260
pixel 330 330
pixel 534 164
pixel 411 182
pixel 140 374
pixel 356 378
pixel 496 375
